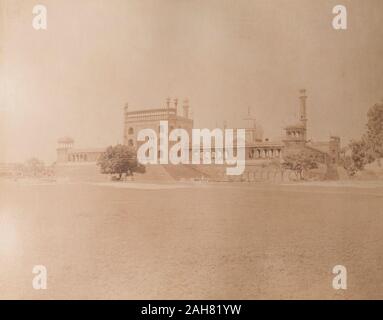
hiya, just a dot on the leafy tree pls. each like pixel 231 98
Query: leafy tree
pixel 300 162
pixel 118 160
pixel 374 135
pixel 34 167
pixel 348 164
pixel 360 156
pixel 370 147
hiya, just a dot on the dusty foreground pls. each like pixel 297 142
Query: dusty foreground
pixel 194 242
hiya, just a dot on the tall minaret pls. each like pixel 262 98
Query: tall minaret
pixel 251 127
pixel 186 108
pixel 126 108
pixel 251 121
pixel 303 115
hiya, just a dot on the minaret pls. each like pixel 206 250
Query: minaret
pixel 251 130
pixel 186 108
pixel 126 108
pixel 251 121
pixel 297 134
pixel 303 115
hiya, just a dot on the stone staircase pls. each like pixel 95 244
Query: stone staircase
pixel 185 172
pixel 154 172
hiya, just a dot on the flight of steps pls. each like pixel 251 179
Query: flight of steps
pixel 154 173
pixel 185 172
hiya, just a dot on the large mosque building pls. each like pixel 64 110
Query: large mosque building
pixel 257 148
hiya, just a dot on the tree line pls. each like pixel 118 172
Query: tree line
pixel 369 147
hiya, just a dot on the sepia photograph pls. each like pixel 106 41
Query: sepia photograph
pixel 191 150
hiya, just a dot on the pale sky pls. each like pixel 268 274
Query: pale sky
pixel 224 56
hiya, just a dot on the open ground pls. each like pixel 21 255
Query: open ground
pixel 195 241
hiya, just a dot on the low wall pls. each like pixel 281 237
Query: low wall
pixel 260 172
pixel 88 172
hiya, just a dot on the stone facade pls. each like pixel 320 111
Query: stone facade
pixel 296 141
pixel 257 149
pixel 66 153
pixel 150 119
pixel 134 121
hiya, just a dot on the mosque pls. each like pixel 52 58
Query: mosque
pixel 257 149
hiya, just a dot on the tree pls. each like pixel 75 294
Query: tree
pixel 360 156
pixel 119 159
pixel 300 162
pixel 374 135
pixel 34 167
pixel 370 147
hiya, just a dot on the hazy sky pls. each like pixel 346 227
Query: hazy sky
pixel 96 55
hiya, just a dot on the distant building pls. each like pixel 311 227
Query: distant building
pixel 150 119
pixel 295 141
pixel 134 121
pixel 66 153
pixel 256 148
pixel 8 169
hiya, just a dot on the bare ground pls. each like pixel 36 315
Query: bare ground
pixel 215 241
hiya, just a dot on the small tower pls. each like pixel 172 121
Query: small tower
pixel 64 144
pixel 334 149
